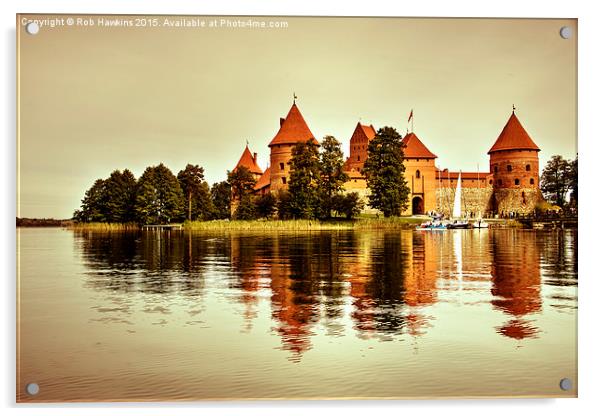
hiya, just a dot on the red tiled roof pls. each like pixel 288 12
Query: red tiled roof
pixel 264 180
pixel 513 137
pixel 415 149
pixel 368 130
pixel 248 162
pixel 293 129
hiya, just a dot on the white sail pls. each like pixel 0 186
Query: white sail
pixel 457 212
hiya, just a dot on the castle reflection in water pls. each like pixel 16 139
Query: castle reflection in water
pixel 382 283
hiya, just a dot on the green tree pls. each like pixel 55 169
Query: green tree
pixel 266 205
pixel 191 180
pixel 304 180
pixel 350 205
pixel 573 181
pixel 220 198
pixel 283 205
pixel 384 171
pixel 94 205
pixel 332 176
pixel 556 180
pixel 241 182
pixel 120 191
pixel 246 209
pixel 159 198
pixel 202 207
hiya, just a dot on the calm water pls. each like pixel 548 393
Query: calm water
pixel 377 314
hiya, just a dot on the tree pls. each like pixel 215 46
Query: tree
pixel 556 180
pixel 220 197
pixel 241 182
pixel 573 181
pixel 350 205
pixel 246 209
pixel 120 191
pixel 202 205
pixel 159 198
pixel 332 176
pixel 283 205
pixel 304 180
pixel 266 205
pixel 384 171
pixel 94 205
pixel 191 180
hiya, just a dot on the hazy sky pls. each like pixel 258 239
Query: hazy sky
pixel 95 99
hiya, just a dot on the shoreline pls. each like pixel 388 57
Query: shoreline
pixel 393 223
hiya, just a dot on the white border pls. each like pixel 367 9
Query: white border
pixel 590 93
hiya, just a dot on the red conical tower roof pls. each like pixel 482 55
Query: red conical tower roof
pixel 293 129
pixel 248 161
pixel 415 149
pixel 513 137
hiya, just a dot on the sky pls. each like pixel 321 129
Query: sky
pixel 92 98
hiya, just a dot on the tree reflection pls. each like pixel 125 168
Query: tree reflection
pixel 378 285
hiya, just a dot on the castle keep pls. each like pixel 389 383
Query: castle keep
pixel 510 186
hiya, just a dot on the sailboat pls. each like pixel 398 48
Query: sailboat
pixel 457 221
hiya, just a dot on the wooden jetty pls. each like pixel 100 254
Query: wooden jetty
pixel 549 221
pixel 162 227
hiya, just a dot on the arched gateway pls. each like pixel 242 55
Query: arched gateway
pixel 417 206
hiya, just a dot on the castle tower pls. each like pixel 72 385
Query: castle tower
pixel 358 148
pixel 420 175
pixel 249 161
pixel 293 130
pixel 514 165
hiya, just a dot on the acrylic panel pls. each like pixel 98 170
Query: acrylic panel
pixel 272 207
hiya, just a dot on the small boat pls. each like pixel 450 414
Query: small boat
pixel 432 225
pixel 458 225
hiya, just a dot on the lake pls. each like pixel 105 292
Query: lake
pixel 178 315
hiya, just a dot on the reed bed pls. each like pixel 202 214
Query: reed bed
pixel 304 225
pixel 103 226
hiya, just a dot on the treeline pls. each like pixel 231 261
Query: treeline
pixel 42 222
pixel 157 197
pixel 315 189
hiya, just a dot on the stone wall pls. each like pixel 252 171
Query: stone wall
pixel 474 201
pixel 518 201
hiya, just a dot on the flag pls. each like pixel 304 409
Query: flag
pixel 411 115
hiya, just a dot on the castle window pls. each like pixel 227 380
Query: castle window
pixel 358 158
pixel 499 182
pixel 517 181
pixel 495 168
pixel 490 181
pixel 528 167
pixel 532 181
pixel 284 180
pixel 509 168
pixel 281 166
pixel 417 174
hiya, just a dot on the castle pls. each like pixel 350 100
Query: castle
pixel 510 186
